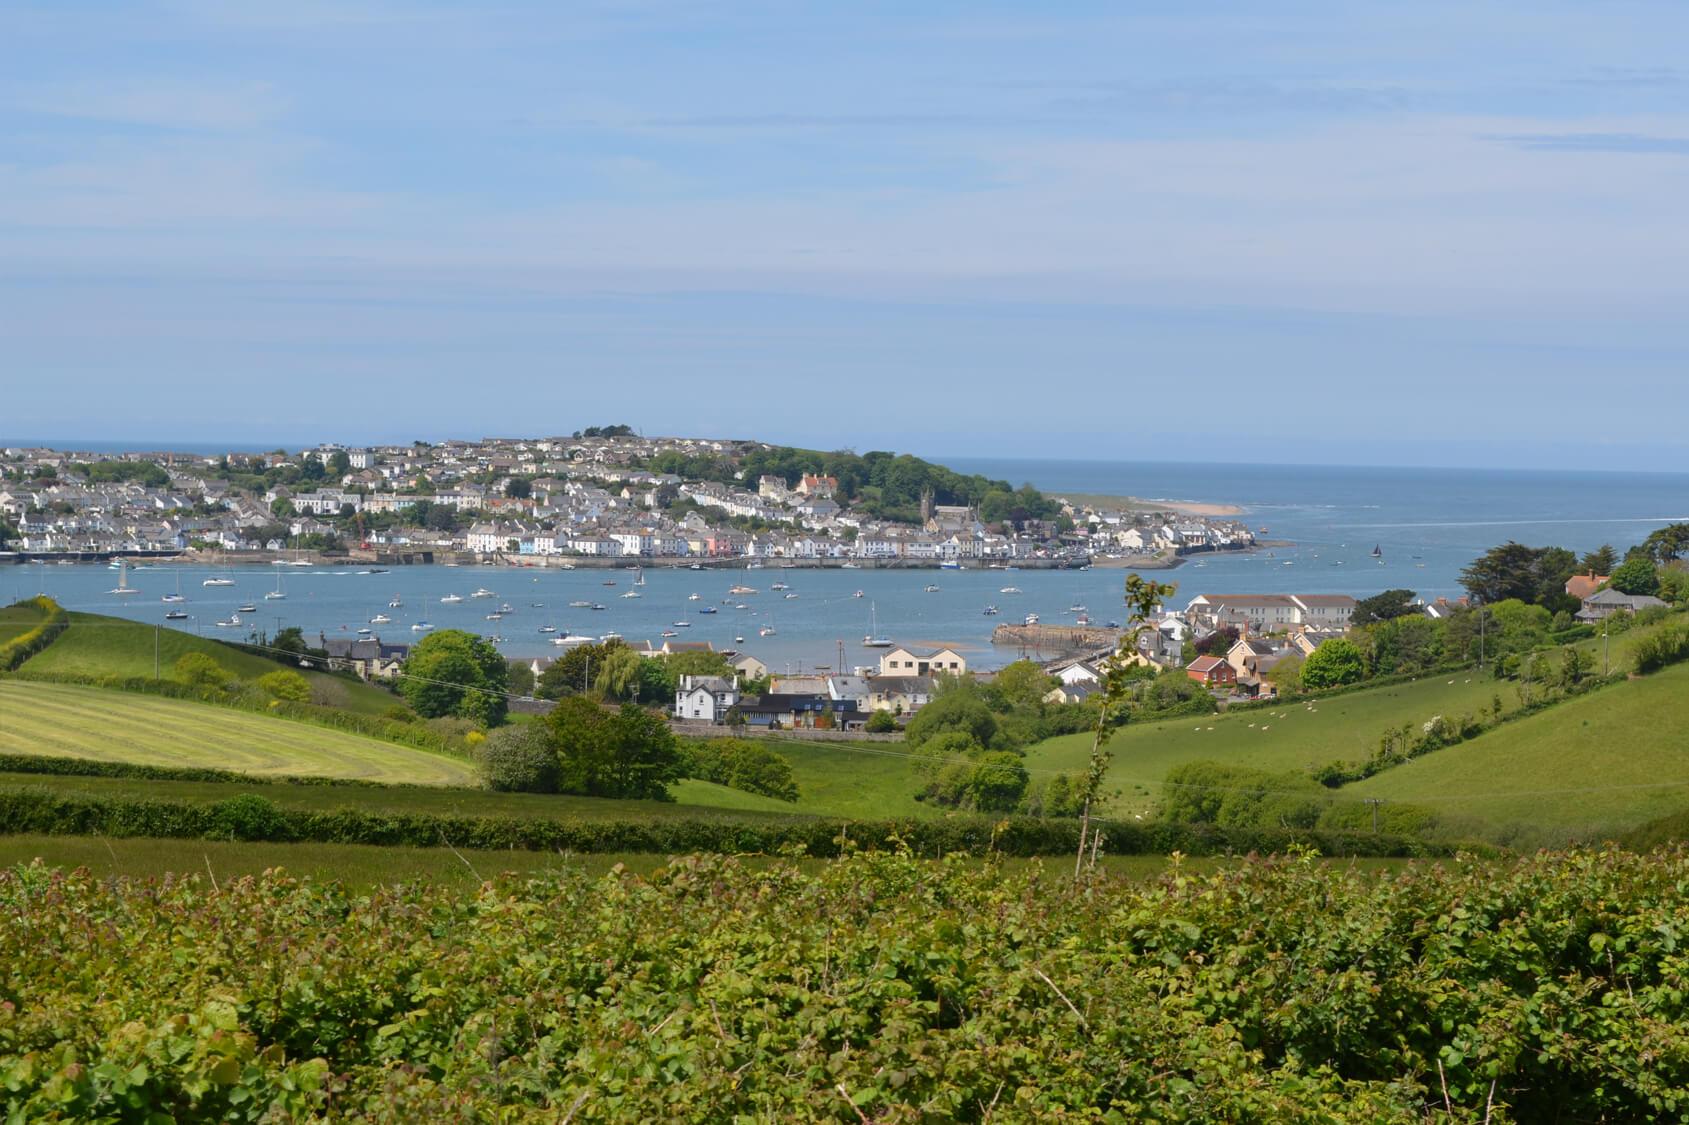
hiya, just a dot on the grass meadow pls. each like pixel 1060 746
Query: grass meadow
pixel 96 645
pixel 85 722
pixel 1595 765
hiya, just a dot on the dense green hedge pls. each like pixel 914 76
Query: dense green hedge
pixel 877 989
pixel 93 767
pixel 33 811
pixel 20 648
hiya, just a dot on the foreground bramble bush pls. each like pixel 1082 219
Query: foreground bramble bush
pixel 878 988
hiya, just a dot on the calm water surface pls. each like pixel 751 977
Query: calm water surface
pixel 1428 524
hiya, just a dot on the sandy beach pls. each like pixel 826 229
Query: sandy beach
pixel 1139 504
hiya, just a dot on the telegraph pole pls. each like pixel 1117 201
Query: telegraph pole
pixel 155 632
pixel 1374 802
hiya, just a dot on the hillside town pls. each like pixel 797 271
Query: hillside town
pixel 554 501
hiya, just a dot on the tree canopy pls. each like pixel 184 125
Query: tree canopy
pixel 1383 607
pixel 1636 575
pixel 452 672
pixel 1535 575
pixel 1335 663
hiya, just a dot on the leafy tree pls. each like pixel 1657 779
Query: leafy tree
pixel 700 662
pixel 521 677
pixel 285 684
pixel 627 753
pixel 282 508
pixel 881 722
pixel 739 764
pixel 1405 644
pixel 1674 584
pixel 1602 560
pixel 519 759
pixel 998 782
pixel 657 681
pixel 1335 663
pixel 1514 570
pixel 1023 684
pixel 1219 642
pixel 572 672
pixel 339 464
pixel 643 758
pixel 519 488
pixel 200 670
pixel 1286 675
pixel 1668 543
pixel 957 705
pixel 1387 606
pixel 620 674
pixel 1636 576
pixel 944 749
pixel 452 672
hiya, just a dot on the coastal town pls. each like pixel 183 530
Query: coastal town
pixel 587 499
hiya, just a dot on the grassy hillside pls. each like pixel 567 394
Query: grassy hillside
pixel 1294 736
pixel 1594 766
pixel 15 620
pixel 853 779
pixel 96 645
pixel 84 722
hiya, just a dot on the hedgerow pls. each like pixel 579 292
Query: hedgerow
pixel 37 811
pixel 879 988
pixel 54 620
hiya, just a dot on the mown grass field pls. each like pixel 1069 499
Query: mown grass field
pixel 695 799
pixel 1292 737
pixel 1593 766
pixel 96 645
pixel 84 722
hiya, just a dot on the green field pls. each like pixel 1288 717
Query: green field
pixel 869 780
pixel 363 866
pixel 96 645
pixel 84 722
pixel 16 620
pixel 1292 737
pixel 696 800
pixel 1593 766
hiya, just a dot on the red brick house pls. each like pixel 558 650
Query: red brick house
pixel 1211 672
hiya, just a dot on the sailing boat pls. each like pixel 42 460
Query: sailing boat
pixel 123 586
pixel 277 594
pixel 177 596
pixel 1377 552
pixel 639 576
pixel 873 639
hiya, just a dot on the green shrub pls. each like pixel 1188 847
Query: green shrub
pixel 198 670
pixel 1660 648
pixel 519 759
pixel 247 817
pixel 881 722
pixel 747 766
pixel 285 684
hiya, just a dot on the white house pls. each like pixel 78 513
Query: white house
pixel 705 699
pixel 902 661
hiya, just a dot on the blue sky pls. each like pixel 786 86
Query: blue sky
pixel 1301 232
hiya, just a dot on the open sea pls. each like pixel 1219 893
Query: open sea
pixel 1428 524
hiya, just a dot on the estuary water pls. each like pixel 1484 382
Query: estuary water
pixel 1426 523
